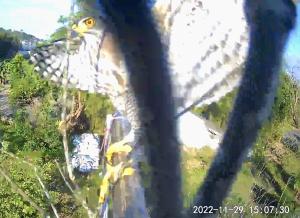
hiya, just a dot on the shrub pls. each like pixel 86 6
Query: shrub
pixel 25 84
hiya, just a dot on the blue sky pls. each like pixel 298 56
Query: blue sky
pixel 39 17
pixel 292 53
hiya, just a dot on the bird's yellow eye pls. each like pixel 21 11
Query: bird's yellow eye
pixel 90 22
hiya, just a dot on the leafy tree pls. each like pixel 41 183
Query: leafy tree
pixel 33 132
pixel 24 177
pixel 63 19
pixel 282 109
pixel 4 72
pixel 60 33
pixel 25 84
pixel 32 135
pixel 9 45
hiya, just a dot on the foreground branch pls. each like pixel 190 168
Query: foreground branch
pixel 270 23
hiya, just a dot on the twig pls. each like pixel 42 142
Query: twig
pixel 64 178
pixel 38 178
pixel 64 109
pixel 46 193
pixel 76 195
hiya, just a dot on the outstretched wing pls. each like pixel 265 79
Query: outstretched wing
pixel 206 49
pixel 208 40
pixel 87 70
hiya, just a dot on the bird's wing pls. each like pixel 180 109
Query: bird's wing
pixel 208 40
pixel 85 69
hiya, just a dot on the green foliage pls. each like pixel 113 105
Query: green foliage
pixel 33 136
pixel 194 165
pixel 20 35
pixel 282 109
pixel 268 155
pixel 97 107
pixel 66 22
pixel 10 42
pixel 34 131
pixel 218 112
pixel 25 84
pixel 43 43
pixel 60 33
pixel 282 115
pixel 62 19
pixel 4 72
pixel 24 176
pixel 279 122
pixel 12 204
pixel 196 162
pixel 36 117
pixel 9 45
pixel 40 134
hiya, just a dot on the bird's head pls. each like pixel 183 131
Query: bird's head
pixel 88 25
pixel 84 25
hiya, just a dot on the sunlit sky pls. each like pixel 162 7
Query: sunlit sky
pixel 39 18
pixel 292 53
pixel 36 17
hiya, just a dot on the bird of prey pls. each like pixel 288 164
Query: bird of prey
pixel 94 64
pixel 206 46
